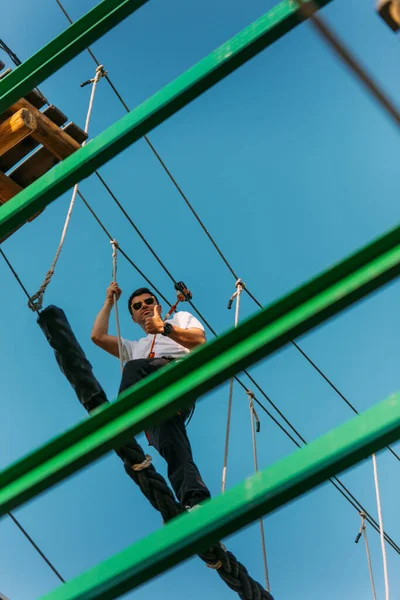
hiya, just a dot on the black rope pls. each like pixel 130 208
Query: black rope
pixel 156 490
pixel 78 371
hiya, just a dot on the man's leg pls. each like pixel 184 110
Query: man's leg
pixel 136 370
pixel 170 439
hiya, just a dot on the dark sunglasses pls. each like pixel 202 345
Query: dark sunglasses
pixel 138 305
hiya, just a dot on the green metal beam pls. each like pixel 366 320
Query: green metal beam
pixel 176 386
pixel 256 496
pixel 148 115
pixel 64 48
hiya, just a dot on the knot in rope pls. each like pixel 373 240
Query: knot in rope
pixel 215 566
pixel 363 532
pixel 253 410
pixel 143 465
pixel 100 72
pixel 240 285
pixel 115 247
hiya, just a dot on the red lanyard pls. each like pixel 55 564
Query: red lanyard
pixel 182 294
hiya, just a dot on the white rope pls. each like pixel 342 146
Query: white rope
pixel 363 532
pixel 36 301
pixel 143 465
pixel 114 244
pixel 381 530
pixel 239 288
pixel 253 418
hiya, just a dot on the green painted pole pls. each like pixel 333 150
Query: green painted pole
pixel 254 497
pixel 89 28
pixel 148 115
pixel 176 386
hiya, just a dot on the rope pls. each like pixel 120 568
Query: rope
pixel 239 288
pixel 114 244
pixel 381 530
pixel 254 422
pixel 36 301
pixel 217 557
pixel 363 532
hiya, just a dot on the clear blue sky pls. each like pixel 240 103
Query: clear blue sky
pixel 291 166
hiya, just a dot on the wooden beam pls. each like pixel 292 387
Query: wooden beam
pixel 16 154
pixel 16 128
pixel 389 10
pixel 42 160
pixel 47 133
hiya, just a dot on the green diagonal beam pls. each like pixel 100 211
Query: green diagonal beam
pixel 64 47
pixel 148 115
pixel 256 496
pixel 176 386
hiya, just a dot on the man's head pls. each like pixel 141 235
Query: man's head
pixel 141 304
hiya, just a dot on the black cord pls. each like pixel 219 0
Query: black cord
pixel 33 543
pixel 10 53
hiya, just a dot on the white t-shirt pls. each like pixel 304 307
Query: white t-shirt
pixel 164 346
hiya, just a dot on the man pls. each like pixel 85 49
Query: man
pixel 172 339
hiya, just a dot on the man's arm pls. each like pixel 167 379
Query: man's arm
pixel 189 338
pixel 100 335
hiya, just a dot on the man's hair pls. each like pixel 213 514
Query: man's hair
pixel 139 292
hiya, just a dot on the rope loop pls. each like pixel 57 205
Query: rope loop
pixel 240 285
pixel 36 301
pixel 363 532
pixel 143 465
pixel 215 566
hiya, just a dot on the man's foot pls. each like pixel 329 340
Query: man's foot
pixel 194 502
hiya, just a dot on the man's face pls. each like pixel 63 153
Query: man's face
pixel 142 307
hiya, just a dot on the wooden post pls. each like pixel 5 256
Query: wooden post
pixel 16 128
pixel 8 188
pixel 47 133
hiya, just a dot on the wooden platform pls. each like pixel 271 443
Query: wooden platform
pixel 34 137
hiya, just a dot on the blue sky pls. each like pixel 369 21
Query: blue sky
pixel 292 166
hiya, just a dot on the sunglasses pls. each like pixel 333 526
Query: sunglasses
pixel 138 305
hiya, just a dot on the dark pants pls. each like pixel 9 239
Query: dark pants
pixel 170 439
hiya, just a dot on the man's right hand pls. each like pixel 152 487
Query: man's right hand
pixel 111 290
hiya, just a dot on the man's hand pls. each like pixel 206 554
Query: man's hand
pixel 111 290
pixel 154 324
